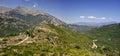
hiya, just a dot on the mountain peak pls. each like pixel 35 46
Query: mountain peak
pixel 4 9
pixel 24 10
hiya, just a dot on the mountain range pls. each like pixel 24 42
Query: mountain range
pixel 95 23
pixel 30 32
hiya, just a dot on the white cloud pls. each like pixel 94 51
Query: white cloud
pixel 82 17
pixel 103 18
pixel 35 5
pixel 92 17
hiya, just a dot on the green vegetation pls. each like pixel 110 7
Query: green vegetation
pixel 44 50
pixel 109 34
pixel 52 40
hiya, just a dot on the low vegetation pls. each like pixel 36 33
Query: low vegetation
pixel 50 40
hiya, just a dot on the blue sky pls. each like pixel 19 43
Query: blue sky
pixel 72 11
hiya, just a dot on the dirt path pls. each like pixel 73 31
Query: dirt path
pixel 22 40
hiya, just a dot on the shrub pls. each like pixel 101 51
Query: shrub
pixel 5 39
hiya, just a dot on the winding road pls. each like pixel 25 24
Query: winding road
pixel 22 40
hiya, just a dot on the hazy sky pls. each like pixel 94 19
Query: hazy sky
pixel 72 11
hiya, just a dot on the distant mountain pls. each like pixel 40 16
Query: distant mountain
pixel 109 34
pixel 80 28
pixel 95 24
